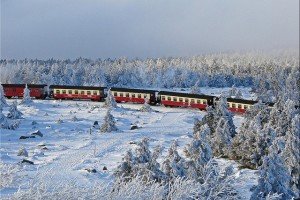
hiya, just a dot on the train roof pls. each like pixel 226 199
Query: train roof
pixel 132 90
pixel 23 85
pixel 179 94
pixel 245 101
pixel 77 87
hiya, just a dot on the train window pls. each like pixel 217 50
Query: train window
pixel 180 99
pixel 64 91
pixel 204 101
pixel 76 91
pixel 233 105
pixel 240 106
pixel 145 95
pixel 121 94
pixel 69 91
pixel 228 104
pixel 115 94
pixel 192 100
pixel 186 100
pixel 133 95
pixel 198 101
pixel 82 92
pixel 57 91
pixel 163 98
pixel 174 99
pixel 169 99
pixel 88 92
pixel 95 92
pixel 127 94
pixel 139 96
pixel 245 107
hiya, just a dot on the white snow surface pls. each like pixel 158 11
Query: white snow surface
pixel 70 148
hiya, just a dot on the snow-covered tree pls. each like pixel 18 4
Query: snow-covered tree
pixel 281 116
pixel 109 123
pixel 223 112
pixel 3 120
pixel 14 113
pixel 173 165
pixel 263 140
pixel 153 171
pixel 198 151
pixel 253 139
pixel 2 116
pixel 146 107
pixel 208 119
pixel 273 175
pixel 7 124
pixel 142 164
pixel 26 96
pixel 110 100
pixel 235 93
pixel 222 139
pixel 291 154
pixel 232 91
pixel 142 152
pixel 125 169
pixel 196 89
pixel 2 97
pixel 217 184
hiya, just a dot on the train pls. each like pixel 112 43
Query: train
pixel 124 95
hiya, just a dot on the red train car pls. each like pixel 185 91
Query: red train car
pixel 134 95
pixel 176 99
pixel 240 106
pixel 17 90
pixel 77 92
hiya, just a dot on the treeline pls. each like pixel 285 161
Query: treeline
pixel 266 74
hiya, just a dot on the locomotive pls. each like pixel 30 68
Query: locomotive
pixel 165 98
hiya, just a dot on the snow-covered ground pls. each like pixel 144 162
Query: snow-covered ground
pixel 70 145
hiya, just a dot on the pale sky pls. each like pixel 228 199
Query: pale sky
pixel 145 28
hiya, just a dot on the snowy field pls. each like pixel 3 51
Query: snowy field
pixel 70 144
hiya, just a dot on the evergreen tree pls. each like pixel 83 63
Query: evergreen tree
pixel 125 169
pixel 26 96
pixel 221 140
pixel 291 154
pixel 173 165
pixel 273 175
pixel 249 144
pixel 110 100
pixel 283 120
pixel 196 89
pixel 223 112
pixel 142 152
pixel 3 121
pixel 14 113
pixel 198 151
pixel 208 119
pixel 233 92
pixel 238 94
pixel 2 97
pixel 217 184
pixel 109 124
pixel 143 163
pixel 146 107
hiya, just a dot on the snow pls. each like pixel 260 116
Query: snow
pixel 70 147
